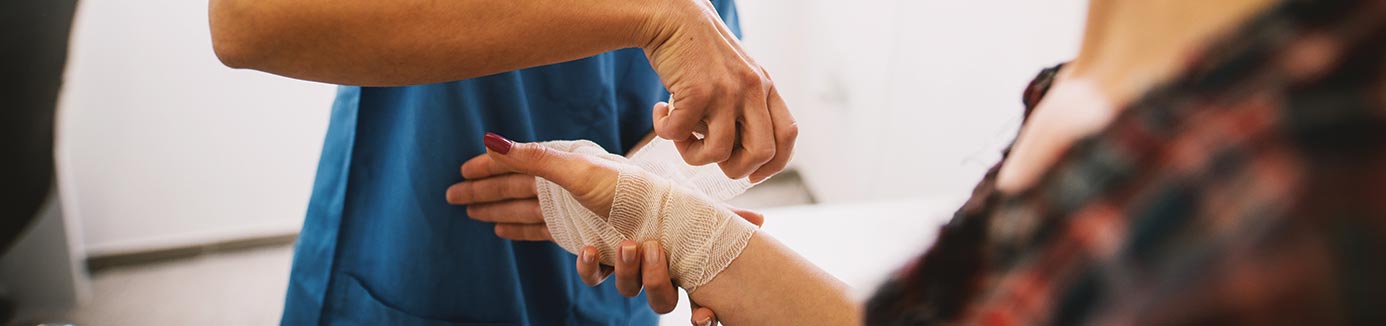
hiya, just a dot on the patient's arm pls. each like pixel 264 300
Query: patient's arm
pixel 767 284
pixel 770 284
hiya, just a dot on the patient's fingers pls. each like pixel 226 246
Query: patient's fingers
pixel 522 211
pixel 482 166
pixel 702 316
pixel 628 268
pixel 572 171
pixel 497 188
pixel 749 215
pixel 659 290
pixel 523 232
pixel 590 268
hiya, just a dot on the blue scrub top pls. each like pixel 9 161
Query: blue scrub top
pixel 381 246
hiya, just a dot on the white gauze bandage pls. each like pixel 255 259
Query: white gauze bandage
pixel 658 197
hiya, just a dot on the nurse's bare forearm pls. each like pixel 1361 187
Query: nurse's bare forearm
pixel 769 284
pixel 402 42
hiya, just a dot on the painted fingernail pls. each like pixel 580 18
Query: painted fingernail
pixel 651 253
pixel 497 143
pixel 628 254
pixel 587 256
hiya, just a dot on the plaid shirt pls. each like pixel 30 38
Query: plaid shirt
pixel 1251 189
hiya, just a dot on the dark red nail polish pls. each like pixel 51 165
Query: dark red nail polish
pixel 497 143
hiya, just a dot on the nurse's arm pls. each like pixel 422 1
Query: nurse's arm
pixel 717 85
pixel 422 41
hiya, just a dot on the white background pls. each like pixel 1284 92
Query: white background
pixel 160 145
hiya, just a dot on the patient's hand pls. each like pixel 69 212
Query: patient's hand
pixel 646 266
pixel 592 182
pixel 494 194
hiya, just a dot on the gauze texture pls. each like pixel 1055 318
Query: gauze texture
pixel 658 197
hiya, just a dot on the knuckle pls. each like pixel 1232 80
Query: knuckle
pixel 718 152
pixel 761 155
pixel 733 170
pixel 540 153
pixel 694 97
pixel 692 158
pixel 751 79
pixel 692 104
pixel 788 133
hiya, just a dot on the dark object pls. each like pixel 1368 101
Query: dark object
pixel 33 51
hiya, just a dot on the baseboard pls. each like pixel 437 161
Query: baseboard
pixel 108 260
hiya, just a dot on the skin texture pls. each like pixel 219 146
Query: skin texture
pixel 717 86
pixel 796 293
pixel 1128 47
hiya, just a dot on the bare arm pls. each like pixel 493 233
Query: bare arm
pixel 770 284
pixel 422 41
pixel 721 90
pixel 766 284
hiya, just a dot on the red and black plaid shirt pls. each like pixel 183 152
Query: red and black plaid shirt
pixel 1249 190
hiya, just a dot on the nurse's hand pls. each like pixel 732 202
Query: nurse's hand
pixel 719 91
pixel 495 195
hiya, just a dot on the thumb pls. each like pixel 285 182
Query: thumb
pixel 534 159
pixel 749 215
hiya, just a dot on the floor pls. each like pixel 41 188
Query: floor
pixel 246 287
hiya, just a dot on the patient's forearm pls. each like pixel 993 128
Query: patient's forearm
pixel 769 284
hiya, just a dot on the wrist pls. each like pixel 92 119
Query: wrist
pixel 662 19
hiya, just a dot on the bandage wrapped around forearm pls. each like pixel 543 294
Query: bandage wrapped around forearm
pixel 657 197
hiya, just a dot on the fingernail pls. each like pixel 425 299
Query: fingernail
pixel 497 143
pixel 628 254
pixel 707 321
pixel 651 253
pixel 587 256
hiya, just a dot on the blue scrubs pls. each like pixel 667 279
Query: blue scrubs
pixel 380 246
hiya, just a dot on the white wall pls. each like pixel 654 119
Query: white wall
pixel 903 98
pixel 159 144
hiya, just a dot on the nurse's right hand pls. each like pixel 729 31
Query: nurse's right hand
pixel 719 91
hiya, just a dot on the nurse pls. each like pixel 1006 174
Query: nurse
pixel 380 245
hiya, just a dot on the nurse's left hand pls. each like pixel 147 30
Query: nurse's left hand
pixel 495 195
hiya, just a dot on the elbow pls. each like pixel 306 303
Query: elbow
pixel 234 53
pixel 234 38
